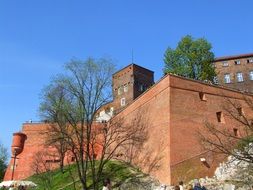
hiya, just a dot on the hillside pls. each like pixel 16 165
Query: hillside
pixel 118 172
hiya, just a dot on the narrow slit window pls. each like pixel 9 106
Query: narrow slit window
pixel 202 96
pixel 235 132
pixel 220 117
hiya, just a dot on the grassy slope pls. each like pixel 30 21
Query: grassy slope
pixel 116 171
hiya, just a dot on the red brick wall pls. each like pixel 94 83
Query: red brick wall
pixel 172 112
pixel 35 143
pixel 152 108
pixel 175 113
pixel 188 115
pixel 131 76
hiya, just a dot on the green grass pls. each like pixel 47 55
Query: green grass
pixel 117 171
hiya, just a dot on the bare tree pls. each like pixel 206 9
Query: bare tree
pixel 71 102
pixel 43 168
pixel 235 139
pixel 51 110
pixel 78 94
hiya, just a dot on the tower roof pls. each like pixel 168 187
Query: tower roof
pixel 233 57
pixel 134 65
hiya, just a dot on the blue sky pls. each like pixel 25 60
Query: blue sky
pixel 38 37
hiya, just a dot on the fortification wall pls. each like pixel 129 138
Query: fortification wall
pixel 173 112
pixel 151 110
pixel 192 105
pixel 36 136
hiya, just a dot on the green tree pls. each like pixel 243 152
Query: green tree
pixel 192 58
pixel 3 159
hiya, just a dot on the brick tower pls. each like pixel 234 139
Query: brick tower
pixel 129 83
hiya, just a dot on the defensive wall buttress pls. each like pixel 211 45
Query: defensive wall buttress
pixel 173 111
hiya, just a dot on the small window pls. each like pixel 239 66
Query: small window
pixel 125 88
pixel 225 64
pixel 240 111
pixel 119 90
pixel 250 60
pixel 235 132
pixel 123 102
pixel 220 117
pixel 237 62
pixel 215 80
pixel 202 96
pixel 227 78
pixel 107 110
pixel 101 113
pixel 141 87
pixel 251 75
pixel 239 77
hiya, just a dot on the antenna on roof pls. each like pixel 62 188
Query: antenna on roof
pixel 132 56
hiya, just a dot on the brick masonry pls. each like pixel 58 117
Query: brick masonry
pixel 227 65
pixel 173 113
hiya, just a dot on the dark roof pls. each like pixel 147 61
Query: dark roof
pixel 134 65
pixel 233 57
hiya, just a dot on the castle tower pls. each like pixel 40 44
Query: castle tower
pixel 129 83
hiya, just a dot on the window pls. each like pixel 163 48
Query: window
pixel 237 62
pixel 215 80
pixel 202 96
pixel 225 64
pixel 119 90
pixel 251 75
pixel 220 117
pixel 141 87
pixel 239 77
pixel 250 60
pixel 227 78
pixel 125 88
pixel 123 102
pixel 235 132
pixel 107 110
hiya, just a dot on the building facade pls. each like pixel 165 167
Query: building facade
pixel 235 71
pixel 127 84
pixel 172 111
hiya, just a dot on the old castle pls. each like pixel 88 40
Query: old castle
pixel 174 109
